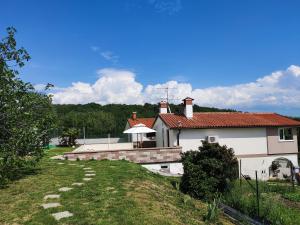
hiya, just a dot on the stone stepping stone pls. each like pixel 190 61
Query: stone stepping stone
pixel 90 171
pixel 90 174
pixel 60 163
pixel 87 168
pixel 110 188
pixel 77 184
pixel 61 215
pixel 64 189
pixel 51 197
pixel 87 179
pixel 51 205
pixel 72 164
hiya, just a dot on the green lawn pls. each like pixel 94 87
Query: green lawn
pixel 120 193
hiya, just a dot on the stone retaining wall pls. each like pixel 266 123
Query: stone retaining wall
pixel 141 155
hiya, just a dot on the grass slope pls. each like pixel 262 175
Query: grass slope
pixel 121 193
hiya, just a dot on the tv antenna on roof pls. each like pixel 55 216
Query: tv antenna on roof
pixel 167 98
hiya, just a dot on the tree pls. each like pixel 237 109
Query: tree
pixel 26 116
pixel 68 137
pixel 207 171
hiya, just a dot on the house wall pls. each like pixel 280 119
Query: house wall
pixel 244 141
pixel 255 147
pixel 262 164
pixel 173 168
pixel 248 165
pixel 275 146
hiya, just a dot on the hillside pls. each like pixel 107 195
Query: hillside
pixel 120 193
pixel 100 120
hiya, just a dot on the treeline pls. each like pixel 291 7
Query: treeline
pixel 101 120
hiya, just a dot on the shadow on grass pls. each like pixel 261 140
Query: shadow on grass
pixel 18 175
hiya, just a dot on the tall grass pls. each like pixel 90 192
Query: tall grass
pixel 272 209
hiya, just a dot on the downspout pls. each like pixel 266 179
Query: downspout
pixel 179 124
pixel 178 135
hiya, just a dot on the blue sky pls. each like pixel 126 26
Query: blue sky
pixel 207 46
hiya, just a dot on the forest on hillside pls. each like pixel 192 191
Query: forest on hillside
pixel 101 120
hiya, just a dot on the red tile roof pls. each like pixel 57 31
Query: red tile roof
pixel 225 119
pixel 147 121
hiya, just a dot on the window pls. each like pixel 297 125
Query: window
pixel 164 166
pixel 285 134
pixel 151 136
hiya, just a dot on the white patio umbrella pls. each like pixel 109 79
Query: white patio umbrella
pixel 139 129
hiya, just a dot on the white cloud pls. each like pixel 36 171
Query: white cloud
pixel 107 55
pixel 279 89
pixel 110 56
pixel 177 91
pixel 112 86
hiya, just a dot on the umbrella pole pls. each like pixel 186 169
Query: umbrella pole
pixel 141 140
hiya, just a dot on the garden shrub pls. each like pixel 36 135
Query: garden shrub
pixel 208 171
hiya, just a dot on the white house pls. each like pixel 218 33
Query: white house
pixel 257 138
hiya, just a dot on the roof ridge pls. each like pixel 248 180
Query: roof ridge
pixel 235 113
pixel 229 119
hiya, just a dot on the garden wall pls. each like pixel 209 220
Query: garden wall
pixel 140 155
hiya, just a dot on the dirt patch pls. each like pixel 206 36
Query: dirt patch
pixel 290 203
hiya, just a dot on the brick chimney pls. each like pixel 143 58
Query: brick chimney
pixel 163 107
pixel 188 107
pixel 133 116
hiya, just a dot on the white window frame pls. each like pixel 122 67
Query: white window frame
pixel 283 140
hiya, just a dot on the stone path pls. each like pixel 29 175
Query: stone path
pixel 77 184
pixel 64 189
pixel 61 215
pixel 89 173
pixel 51 197
pixel 87 168
pixel 51 205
